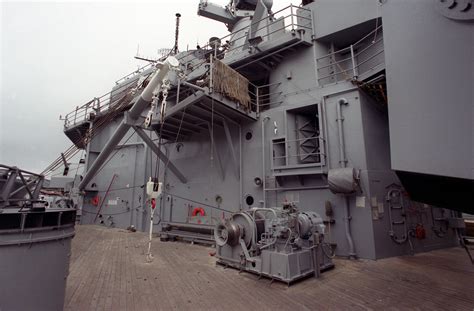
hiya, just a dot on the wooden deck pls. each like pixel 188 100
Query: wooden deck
pixel 109 272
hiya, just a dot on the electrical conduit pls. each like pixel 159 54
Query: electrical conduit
pixel 342 163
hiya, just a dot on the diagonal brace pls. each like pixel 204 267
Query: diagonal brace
pixel 160 154
pixel 7 189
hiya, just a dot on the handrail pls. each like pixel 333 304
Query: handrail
pixel 332 64
pixel 377 29
pixel 369 46
pixel 141 69
pixel 292 26
pixel 370 58
pixel 337 67
pixel 97 104
pixel 292 18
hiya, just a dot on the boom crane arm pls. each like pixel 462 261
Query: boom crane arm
pixel 133 115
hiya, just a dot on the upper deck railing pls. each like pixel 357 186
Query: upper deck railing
pixel 289 20
pixel 353 61
pixel 134 73
pixel 97 105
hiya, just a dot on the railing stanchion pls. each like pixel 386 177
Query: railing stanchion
pixel 354 69
pixel 257 100
pixel 211 82
pixel 292 21
pixel 75 114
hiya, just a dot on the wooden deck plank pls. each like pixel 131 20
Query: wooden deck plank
pixel 109 271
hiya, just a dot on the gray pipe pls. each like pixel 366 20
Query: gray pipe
pixel 347 225
pixel 325 123
pixel 134 113
pixel 326 133
pixel 263 160
pixel 241 169
pixel 342 163
pixel 297 188
pixel 342 149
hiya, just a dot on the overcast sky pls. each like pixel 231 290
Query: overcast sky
pixel 55 56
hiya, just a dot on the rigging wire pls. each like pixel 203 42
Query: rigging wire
pixel 111 214
pixel 151 156
pixel 197 202
pixel 77 169
pixel 122 188
pixel 157 165
pixel 176 140
pixel 112 156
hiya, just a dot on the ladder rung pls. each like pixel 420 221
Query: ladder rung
pixel 397 207
pixel 401 222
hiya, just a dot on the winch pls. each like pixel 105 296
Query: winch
pixel 281 243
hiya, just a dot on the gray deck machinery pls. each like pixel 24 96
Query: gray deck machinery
pixel 283 244
pixel 35 244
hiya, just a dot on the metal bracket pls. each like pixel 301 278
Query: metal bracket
pixel 246 251
pixel 130 121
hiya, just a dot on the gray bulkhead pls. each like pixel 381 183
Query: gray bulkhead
pixel 223 180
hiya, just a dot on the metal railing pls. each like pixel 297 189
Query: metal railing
pixel 268 96
pixel 353 61
pixel 97 105
pixel 282 158
pixel 260 95
pixel 258 99
pixel 291 19
pixel 254 98
pixel 139 70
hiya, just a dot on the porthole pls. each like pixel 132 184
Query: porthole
pixel 249 200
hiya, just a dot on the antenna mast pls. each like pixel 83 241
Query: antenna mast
pixel 176 35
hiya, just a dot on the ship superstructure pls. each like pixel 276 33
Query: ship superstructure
pixel 348 109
